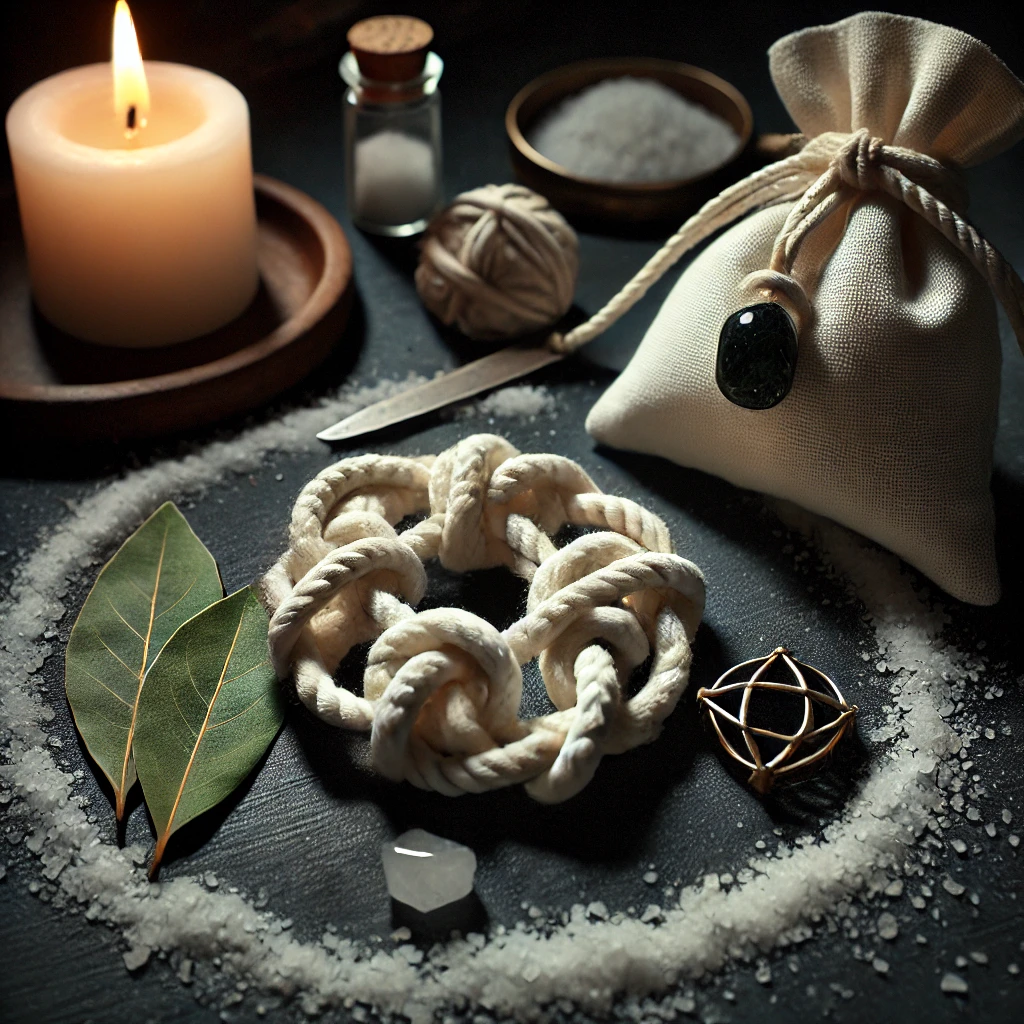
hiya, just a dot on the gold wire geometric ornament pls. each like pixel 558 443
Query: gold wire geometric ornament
pixel 800 751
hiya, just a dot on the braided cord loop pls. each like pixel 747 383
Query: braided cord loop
pixel 442 688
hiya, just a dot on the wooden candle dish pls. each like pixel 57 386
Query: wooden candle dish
pixel 58 387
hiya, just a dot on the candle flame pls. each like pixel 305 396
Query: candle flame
pixel 131 91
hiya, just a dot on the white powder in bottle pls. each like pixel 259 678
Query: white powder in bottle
pixel 395 179
pixel 633 130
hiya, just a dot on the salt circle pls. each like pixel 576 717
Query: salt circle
pixel 586 961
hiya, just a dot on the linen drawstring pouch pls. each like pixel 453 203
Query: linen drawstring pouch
pixel 860 238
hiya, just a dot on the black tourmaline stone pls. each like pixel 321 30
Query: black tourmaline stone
pixel 757 356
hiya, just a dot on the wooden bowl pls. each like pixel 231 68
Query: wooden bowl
pixel 588 199
pixel 53 386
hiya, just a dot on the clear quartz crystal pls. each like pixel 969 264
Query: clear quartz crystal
pixel 426 871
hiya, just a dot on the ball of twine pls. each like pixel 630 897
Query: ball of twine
pixel 498 262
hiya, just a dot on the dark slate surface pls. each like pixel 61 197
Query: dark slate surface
pixel 307 828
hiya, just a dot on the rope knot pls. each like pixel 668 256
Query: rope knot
pixel 450 674
pixel 442 687
pixel 820 177
pixel 473 531
pixel 858 160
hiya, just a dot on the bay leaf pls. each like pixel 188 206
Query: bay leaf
pixel 160 577
pixel 210 708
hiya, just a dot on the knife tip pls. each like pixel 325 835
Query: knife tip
pixel 332 434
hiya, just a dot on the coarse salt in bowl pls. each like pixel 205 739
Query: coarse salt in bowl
pixel 572 141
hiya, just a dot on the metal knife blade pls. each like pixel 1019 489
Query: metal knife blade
pixel 479 375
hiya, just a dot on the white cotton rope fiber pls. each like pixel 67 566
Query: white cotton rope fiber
pixel 498 262
pixel 442 687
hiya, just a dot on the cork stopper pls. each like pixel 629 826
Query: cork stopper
pixel 390 48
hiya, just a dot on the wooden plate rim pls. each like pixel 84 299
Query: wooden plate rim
pixel 335 278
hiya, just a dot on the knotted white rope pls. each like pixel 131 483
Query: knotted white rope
pixel 829 170
pixel 442 688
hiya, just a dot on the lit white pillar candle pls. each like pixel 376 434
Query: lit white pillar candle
pixel 137 209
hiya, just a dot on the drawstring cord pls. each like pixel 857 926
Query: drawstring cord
pixel 828 171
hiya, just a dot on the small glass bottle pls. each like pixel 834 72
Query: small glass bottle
pixel 392 125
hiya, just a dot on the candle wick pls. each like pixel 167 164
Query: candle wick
pixel 131 118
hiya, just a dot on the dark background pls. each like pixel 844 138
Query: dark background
pixel 673 803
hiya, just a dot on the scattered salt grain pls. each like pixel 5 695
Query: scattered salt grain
pixel 978 957
pixel 960 846
pixel 633 130
pixel 953 984
pixel 1006 816
pixel 1014 840
pixel 522 401
pixel 880 965
pixel 894 888
pixel 952 887
pixel 991 830
pixel 136 957
pixel 651 877
pixel 651 914
pixel 411 954
pixel 888 927
pixel 763 974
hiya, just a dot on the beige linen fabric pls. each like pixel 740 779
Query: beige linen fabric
pixel 890 422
